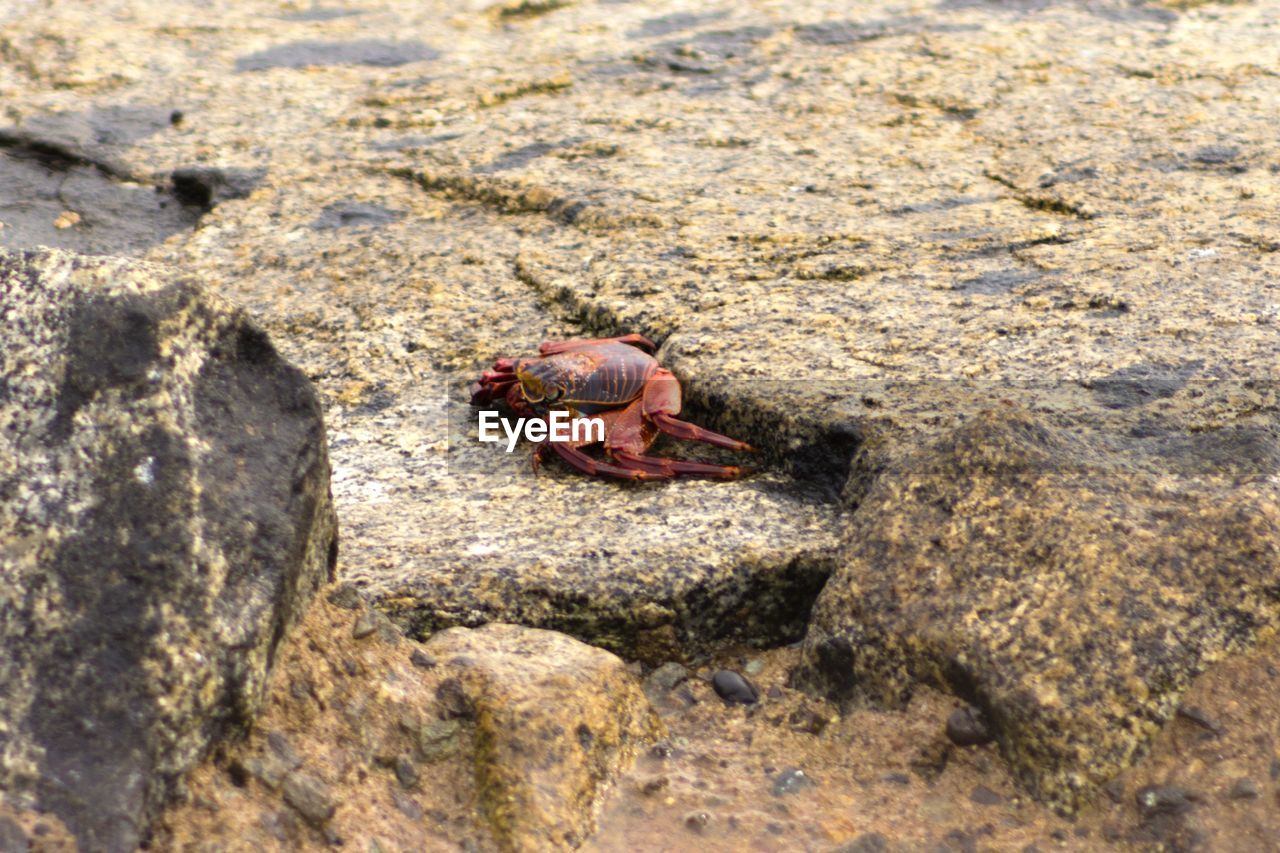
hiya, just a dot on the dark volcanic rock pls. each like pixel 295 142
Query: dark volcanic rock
pixel 1071 585
pixel 165 514
pixel 733 688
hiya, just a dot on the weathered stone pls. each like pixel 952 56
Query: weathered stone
pixel 1072 586
pixel 439 739
pixel 406 772
pixel 833 217
pixel 663 679
pixel 1244 788
pixel 165 515
pixel 790 781
pixel 984 796
pixel 967 726
pixel 1162 799
pixel 310 796
pixel 733 688
pixel 556 721
pixel 421 659
pixel 364 625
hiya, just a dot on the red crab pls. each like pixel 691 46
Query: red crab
pixel 618 381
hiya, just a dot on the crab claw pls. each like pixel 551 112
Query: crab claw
pixel 494 383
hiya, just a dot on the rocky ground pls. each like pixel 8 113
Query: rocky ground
pixel 992 285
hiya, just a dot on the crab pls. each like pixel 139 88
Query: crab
pixel 618 381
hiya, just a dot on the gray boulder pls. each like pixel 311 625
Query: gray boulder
pixel 164 517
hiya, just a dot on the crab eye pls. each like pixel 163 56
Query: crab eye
pixel 554 394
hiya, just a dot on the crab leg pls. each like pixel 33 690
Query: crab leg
pixel 553 347
pixel 586 464
pixel 485 392
pixel 662 401
pixel 672 467
pixel 690 432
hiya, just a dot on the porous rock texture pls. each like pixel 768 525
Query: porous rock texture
pixel 1071 589
pixel 502 737
pixel 164 517
pixel 855 228
pixel 556 720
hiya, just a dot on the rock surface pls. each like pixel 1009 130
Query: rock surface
pixel 556 722
pixel 352 710
pixel 510 738
pixel 165 516
pixel 854 228
pixel 1070 589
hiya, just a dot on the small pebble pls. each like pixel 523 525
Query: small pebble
pixel 364 626
pixel 454 703
pixel 790 781
pixel 967 726
pixel 665 678
pixel 1244 789
pixel 1162 799
pixel 984 796
pixel 897 778
pixel 1201 718
pixel 733 688
pixel 406 773
pixel 439 740
pixel 268 769
pixel 697 821
pixel 309 796
pixel 867 842
pixel 407 805
pixel 754 667
pixel 280 745
pixel 422 660
pixel 649 787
